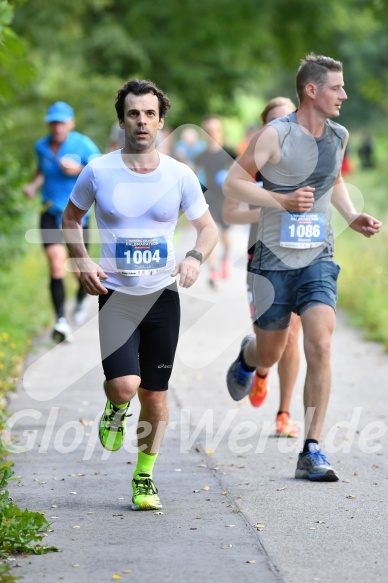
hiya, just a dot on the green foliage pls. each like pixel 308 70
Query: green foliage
pixel 363 283
pixel 200 52
pixel 24 311
pixel 15 72
pixel 19 529
pixel 12 210
pixel 5 574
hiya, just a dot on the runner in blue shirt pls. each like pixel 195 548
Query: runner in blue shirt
pixel 61 156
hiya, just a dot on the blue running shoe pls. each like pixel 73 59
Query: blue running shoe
pixel 238 380
pixel 314 466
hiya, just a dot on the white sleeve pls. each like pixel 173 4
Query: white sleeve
pixel 84 191
pixel 193 202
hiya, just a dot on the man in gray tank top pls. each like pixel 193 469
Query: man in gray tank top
pixel 300 158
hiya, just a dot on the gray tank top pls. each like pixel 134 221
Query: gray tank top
pixel 294 240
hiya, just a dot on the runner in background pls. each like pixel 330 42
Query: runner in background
pixel 61 157
pixel 249 133
pixel 211 166
pixel 189 146
pixel 116 138
pixel 288 365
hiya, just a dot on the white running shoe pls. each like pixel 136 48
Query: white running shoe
pixel 62 331
pixel 80 312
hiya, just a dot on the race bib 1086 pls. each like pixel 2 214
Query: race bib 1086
pixel 142 256
pixel 302 230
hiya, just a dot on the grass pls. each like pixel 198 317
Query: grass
pixel 25 310
pixel 363 282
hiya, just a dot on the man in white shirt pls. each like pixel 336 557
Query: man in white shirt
pixel 138 194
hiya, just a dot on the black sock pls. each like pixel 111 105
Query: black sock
pixel 306 444
pixel 280 412
pixel 57 290
pixel 244 365
pixel 81 294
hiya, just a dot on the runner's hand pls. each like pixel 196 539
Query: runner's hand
pixel 189 270
pixel 29 190
pixel 300 201
pixel 90 277
pixel 69 166
pixel 366 225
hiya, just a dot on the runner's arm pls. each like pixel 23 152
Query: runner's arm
pixel 239 184
pixel 360 222
pixel 70 167
pixel 90 272
pixel 207 235
pixel 340 199
pixel 234 214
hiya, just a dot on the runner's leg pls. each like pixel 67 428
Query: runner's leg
pixel 288 365
pixel 56 256
pixel 154 411
pixel 318 324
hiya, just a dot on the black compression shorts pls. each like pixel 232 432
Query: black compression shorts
pixel 139 335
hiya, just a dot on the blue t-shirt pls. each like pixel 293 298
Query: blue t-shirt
pixel 57 185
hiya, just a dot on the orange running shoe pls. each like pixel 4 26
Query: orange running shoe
pixel 285 427
pixel 259 390
pixel 214 278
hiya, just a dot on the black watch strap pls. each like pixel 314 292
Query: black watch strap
pixel 195 254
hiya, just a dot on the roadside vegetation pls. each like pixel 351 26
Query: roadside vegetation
pixel 24 313
pixel 363 281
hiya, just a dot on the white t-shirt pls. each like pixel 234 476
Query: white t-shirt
pixel 136 215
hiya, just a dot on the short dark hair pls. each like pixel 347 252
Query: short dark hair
pixel 313 69
pixel 141 87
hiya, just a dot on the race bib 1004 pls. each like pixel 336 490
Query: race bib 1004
pixel 142 256
pixel 302 230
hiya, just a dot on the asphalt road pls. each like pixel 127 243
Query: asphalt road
pixel 232 509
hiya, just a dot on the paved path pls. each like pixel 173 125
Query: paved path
pixel 220 473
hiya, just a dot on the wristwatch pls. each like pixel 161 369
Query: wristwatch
pixel 195 254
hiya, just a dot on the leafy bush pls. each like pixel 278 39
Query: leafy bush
pixel 12 211
pixel 19 528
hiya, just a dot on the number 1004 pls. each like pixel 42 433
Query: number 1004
pixel 142 257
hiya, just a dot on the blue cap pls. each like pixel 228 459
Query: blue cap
pixel 59 111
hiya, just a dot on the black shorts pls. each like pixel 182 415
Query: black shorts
pixel 51 233
pixel 139 335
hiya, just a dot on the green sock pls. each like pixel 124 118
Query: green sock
pixel 117 407
pixel 145 463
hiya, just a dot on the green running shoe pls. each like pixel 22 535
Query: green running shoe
pixel 113 428
pixel 145 493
